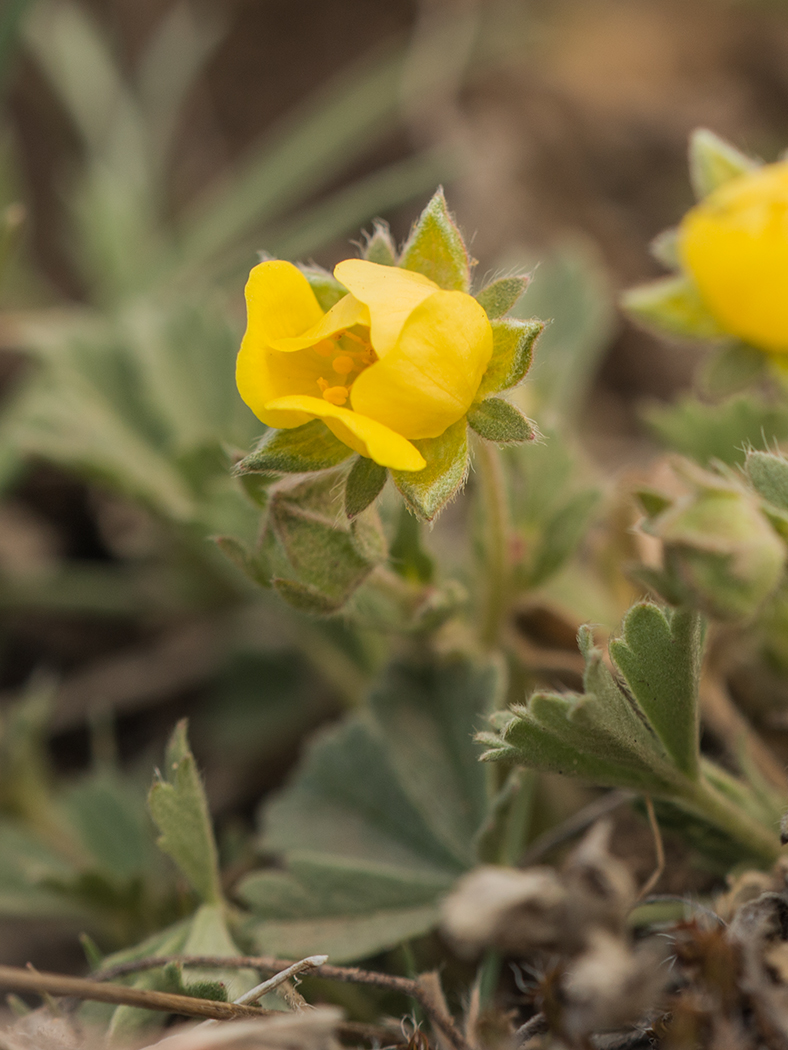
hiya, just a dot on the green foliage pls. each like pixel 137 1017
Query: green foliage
pixel 379 819
pixel 768 473
pixel 427 491
pixel 672 305
pixel 722 431
pixel 499 421
pixel 435 248
pixel 298 451
pixel 550 508
pixel 380 247
pixel 641 733
pixel 513 346
pixel 713 162
pixel 735 368
pixel 178 806
pixel 659 654
pixel 500 296
pixel 364 484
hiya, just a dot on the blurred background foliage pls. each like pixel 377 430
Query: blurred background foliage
pixel 148 151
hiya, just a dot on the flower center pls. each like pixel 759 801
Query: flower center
pixel 347 355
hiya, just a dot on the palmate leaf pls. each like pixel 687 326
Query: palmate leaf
pixel 379 819
pixel 606 735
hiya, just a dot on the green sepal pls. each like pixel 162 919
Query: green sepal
pixel 364 484
pixel 436 249
pixel 768 474
pixel 735 368
pixel 179 809
pixel 713 162
pixel 665 248
pixel 255 565
pixel 497 420
pixel 380 247
pixel 500 296
pixel 297 451
pixel 513 347
pixel 427 491
pixel 673 305
pixel 319 558
pixel 659 654
pixel 256 487
pixel 305 598
pixel 328 291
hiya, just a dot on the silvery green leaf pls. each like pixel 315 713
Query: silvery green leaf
pixel 513 346
pixel 500 296
pixel 364 484
pixel 427 491
pixel 303 449
pixel 497 420
pixel 180 810
pixel 436 249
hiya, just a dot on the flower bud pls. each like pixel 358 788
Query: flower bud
pixel 720 553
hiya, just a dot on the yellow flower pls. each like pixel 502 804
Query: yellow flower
pixel 735 246
pixel 395 360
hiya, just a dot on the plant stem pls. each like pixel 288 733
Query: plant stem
pixel 706 801
pixel 495 543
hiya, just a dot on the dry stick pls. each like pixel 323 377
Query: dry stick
pixel 727 723
pixel 83 988
pixel 346 974
pixel 186 1005
pixel 659 848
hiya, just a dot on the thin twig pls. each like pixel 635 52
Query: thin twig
pixel 536 1025
pixel 659 849
pixel 23 980
pixel 414 989
pixel 578 822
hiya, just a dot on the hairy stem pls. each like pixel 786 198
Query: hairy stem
pixel 495 544
pixel 705 800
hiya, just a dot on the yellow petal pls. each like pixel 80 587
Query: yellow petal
pixel 430 378
pixel 391 294
pixel 735 245
pixel 279 302
pixel 363 435
pixel 348 312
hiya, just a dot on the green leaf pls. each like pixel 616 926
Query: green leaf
pixel 598 735
pixel 427 491
pixel 768 473
pixel 328 291
pixel 500 296
pixel 436 249
pixel 722 431
pixel 364 484
pixel 380 247
pixel 380 817
pixel 557 540
pixel 713 162
pixel 673 305
pixel 659 654
pixel 301 450
pixel 499 421
pixel 513 346
pixel 180 810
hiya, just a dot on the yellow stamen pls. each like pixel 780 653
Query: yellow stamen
pixel 323 384
pixel 325 348
pixel 343 365
pixel 336 395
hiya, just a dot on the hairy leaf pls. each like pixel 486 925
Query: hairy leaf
pixel 428 491
pixel 500 296
pixel 436 248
